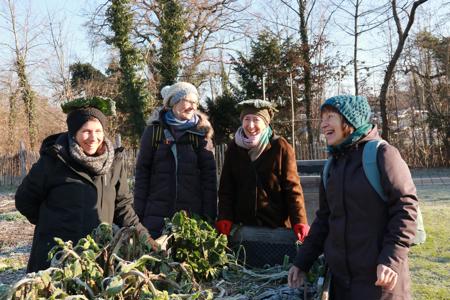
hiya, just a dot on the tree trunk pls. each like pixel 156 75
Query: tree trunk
pixel 306 69
pixel 29 101
pixel 12 118
pixel 402 35
pixel 355 50
pixel 446 92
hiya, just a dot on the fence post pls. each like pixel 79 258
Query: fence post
pixel 23 160
pixel 118 140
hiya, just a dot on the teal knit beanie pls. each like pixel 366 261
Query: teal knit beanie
pixel 355 109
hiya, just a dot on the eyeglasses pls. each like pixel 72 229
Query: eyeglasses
pixel 192 102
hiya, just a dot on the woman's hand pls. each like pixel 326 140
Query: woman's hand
pixel 301 230
pixel 295 277
pixel 386 277
pixel 224 226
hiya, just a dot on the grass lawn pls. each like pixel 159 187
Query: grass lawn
pixel 430 262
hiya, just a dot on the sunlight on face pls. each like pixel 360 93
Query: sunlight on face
pixel 185 108
pixel 333 127
pixel 253 125
pixel 90 136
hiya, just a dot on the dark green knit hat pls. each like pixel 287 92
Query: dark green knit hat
pixel 262 108
pixel 355 109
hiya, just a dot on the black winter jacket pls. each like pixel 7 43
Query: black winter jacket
pixel 63 200
pixel 175 175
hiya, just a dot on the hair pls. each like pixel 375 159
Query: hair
pixel 346 126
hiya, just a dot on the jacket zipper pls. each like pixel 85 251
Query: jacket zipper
pixel 256 193
pixel 347 264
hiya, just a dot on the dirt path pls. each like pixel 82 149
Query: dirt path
pixel 16 233
pixel 15 241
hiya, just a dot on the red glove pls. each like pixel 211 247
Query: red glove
pixel 301 230
pixel 224 226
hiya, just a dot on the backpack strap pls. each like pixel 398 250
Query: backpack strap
pixel 373 175
pixel 370 166
pixel 369 161
pixel 194 141
pixel 157 136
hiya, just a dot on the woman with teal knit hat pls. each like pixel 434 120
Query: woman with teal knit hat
pixel 365 239
pixel 259 183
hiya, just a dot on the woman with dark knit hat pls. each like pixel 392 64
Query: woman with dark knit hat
pixel 259 183
pixel 78 182
pixel 365 239
pixel 175 168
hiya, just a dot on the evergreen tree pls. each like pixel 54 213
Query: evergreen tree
pixel 274 59
pixel 82 72
pixel 134 97
pixel 171 32
pixel 224 117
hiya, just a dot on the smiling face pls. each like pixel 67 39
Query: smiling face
pixel 253 125
pixel 334 127
pixel 185 108
pixel 90 136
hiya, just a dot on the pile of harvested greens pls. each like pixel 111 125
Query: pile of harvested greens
pixel 193 263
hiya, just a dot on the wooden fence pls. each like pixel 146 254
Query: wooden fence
pixel 14 167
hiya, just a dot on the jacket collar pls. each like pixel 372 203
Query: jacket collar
pixel 203 128
pixel 57 145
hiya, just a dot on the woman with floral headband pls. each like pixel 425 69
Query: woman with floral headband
pixel 78 182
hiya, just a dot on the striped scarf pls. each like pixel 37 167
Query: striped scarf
pixel 256 144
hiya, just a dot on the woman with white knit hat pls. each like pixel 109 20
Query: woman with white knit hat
pixel 175 169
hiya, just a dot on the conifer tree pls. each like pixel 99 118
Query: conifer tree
pixel 171 32
pixel 134 97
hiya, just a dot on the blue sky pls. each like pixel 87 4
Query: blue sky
pixel 72 14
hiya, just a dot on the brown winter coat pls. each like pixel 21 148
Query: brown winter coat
pixel 176 175
pixel 356 230
pixel 63 200
pixel 265 192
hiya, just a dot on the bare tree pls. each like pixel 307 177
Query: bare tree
pixel 213 26
pixel 12 116
pixel 59 75
pixel 303 11
pixel 365 17
pixel 22 41
pixel 402 36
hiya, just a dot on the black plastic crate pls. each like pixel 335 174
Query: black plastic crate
pixel 264 246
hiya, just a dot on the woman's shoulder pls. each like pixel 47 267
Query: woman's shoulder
pixel 204 125
pixel 277 140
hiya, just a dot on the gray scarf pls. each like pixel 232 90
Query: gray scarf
pixel 98 165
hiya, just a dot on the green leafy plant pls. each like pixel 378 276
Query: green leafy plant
pixel 113 263
pixel 196 242
pixel 105 105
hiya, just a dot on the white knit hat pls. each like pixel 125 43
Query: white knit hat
pixel 172 94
